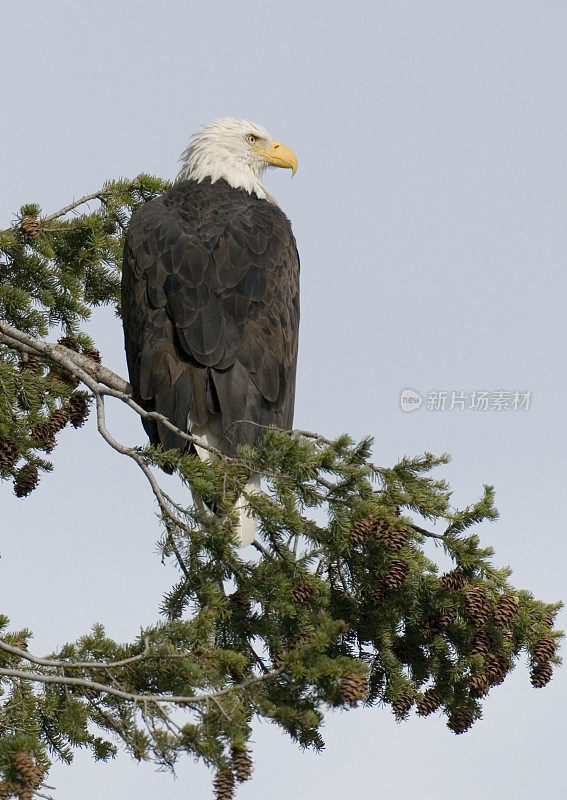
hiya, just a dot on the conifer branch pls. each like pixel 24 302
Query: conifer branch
pixel 49 662
pixel 188 700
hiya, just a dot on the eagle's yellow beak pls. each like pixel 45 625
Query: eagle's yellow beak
pixel 280 156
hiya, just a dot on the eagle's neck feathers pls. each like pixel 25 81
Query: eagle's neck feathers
pixel 219 151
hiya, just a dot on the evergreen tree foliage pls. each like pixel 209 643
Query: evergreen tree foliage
pixel 342 603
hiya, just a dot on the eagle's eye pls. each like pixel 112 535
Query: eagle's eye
pixel 251 138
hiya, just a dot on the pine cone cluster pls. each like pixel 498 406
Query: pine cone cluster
pixel 461 719
pixel 544 648
pixel 30 227
pixel 436 623
pixel 380 530
pixel 9 453
pixel 497 667
pixel 402 704
pixel 302 593
pixel 395 576
pixel 479 686
pixel 240 601
pixel 506 609
pixel 78 409
pixel 224 784
pixel 541 675
pixel 241 763
pixel 26 480
pixel 354 688
pixel 429 702
pixel 482 643
pixel 477 605
pixel 453 581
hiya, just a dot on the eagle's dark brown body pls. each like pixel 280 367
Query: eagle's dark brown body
pixel 210 302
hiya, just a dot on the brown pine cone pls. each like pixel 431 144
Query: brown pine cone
pixel 361 530
pixel 26 767
pixel 31 362
pixel 26 480
pixel 479 686
pixel 24 792
pixel 548 619
pixel 506 608
pixel 78 409
pixel 429 702
pixel 497 667
pixel 224 784
pixel 69 342
pixel 541 675
pixel 240 601
pixel 390 536
pixel 461 719
pixel 30 227
pixel 402 704
pixel 94 355
pixel 58 419
pixel 299 639
pixel 302 637
pixel 396 574
pixel 482 643
pixel 477 605
pixel 9 453
pixel 354 688
pixel 437 623
pixel 544 648
pixel 5 790
pixel 453 581
pixel 241 763
pixel 396 539
pixel 45 436
pixel 61 375
pixel 302 593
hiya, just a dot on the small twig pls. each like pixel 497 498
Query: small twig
pixel 94 196
pixel 427 533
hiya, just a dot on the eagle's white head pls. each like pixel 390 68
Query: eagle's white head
pixel 237 151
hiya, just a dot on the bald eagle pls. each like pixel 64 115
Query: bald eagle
pixel 210 298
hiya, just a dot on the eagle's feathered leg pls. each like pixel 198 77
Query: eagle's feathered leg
pixel 247 524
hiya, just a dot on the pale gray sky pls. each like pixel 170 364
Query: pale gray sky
pixel 429 210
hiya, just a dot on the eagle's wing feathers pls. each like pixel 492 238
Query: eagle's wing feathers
pixel 211 311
